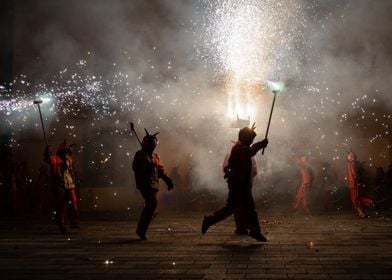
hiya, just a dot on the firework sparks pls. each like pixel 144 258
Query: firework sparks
pixel 250 40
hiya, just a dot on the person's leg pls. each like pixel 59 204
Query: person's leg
pixel 299 197
pixel 353 195
pixel 305 198
pixel 241 226
pixel 74 218
pixel 61 209
pixel 150 205
pixel 221 213
pixel 356 201
pixel 254 226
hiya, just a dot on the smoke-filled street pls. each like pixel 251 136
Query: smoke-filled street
pixel 266 121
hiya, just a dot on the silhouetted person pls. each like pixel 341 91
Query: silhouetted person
pixel 380 187
pixel 41 189
pixel 241 225
pixel 239 178
pixel 7 175
pixel 389 172
pixel 302 197
pixel 388 187
pixel 61 171
pixel 148 168
pixel 24 187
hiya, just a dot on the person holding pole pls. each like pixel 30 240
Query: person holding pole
pixel 62 179
pixel 238 173
pixel 63 184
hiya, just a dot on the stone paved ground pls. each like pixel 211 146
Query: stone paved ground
pixel 336 246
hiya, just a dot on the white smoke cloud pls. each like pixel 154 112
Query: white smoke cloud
pixel 157 69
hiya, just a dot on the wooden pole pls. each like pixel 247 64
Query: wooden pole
pixel 269 120
pixel 38 102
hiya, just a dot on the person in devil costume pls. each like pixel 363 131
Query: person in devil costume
pixel 63 184
pixel 302 197
pixel 148 168
pixel 358 199
pixel 239 213
pixel 239 178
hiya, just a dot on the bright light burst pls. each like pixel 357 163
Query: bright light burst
pixel 251 41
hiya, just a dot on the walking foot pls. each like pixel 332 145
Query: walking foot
pixel 205 225
pixel 141 235
pixel 258 236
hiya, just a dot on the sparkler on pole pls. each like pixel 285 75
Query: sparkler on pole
pixel 134 131
pixel 276 88
pixel 38 102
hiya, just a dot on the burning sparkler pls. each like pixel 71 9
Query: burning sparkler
pixel 276 88
pixel 38 102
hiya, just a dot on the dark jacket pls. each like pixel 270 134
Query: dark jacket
pixel 148 169
pixel 240 164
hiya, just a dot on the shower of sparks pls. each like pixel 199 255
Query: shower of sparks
pixel 251 42
pixel 248 43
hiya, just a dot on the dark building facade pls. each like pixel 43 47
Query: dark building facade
pixel 6 35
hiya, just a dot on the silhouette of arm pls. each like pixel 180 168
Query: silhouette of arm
pixel 257 147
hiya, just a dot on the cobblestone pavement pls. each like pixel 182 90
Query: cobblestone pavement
pixel 336 246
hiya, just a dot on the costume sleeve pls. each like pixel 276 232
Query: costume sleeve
pixel 255 148
pixel 161 171
pixel 225 162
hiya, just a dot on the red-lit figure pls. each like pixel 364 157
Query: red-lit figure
pixel 239 177
pixel 302 197
pixel 148 168
pixel 63 184
pixel 356 189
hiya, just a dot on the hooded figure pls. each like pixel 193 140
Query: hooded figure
pixel 63 183
pixel 238 174
pixel 148 168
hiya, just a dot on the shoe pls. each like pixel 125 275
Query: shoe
pixel 141 235
pixel 361 214
pixel 205 225
pixel 258 236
